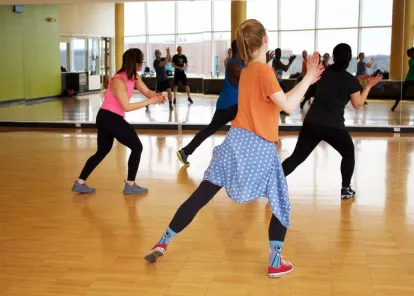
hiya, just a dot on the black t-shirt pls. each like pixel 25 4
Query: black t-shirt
pixel 179 61
pixel 161 73
pixel 332 95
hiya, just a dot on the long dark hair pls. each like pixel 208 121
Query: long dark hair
pixel 130 59
pixel 342 54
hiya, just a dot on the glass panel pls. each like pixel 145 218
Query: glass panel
pixel 135 42
pixel 264 11
pixel 63 56
pixel 221 15
pixel 376 13
pixel 194 16
pixel 134 18
pixel 376 43
pixel 297 14
pixel 338 13
pixel 94 56
pixel 328 39
pixel 295 43
pixel 273 40
pixel 161 43
pixel 78 48
pixel 161 17
pixel 196 49
pixel 222 43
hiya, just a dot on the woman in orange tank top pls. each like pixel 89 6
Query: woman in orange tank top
pixel 111 124
pixel 247 164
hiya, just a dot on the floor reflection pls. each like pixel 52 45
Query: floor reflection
pixel 84 109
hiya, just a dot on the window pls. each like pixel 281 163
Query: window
pixel 194 16
pixel 295 42
pixel 78 49
pixel 221 16
pixel 161 17
pixel 338 13
pixel 134 18
pixel 264 11
pixel 222 43
pixel 376 13
pixel 273 40
pixel 160 42
pixel 63 55
pixel 196 49
pixel 376 43
pixel 297 14
pixel 328 39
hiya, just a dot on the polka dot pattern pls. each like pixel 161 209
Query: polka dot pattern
pixel 249 167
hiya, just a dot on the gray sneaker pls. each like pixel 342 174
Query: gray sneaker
pixel 182 157
pixel 82 188
pixel 134 189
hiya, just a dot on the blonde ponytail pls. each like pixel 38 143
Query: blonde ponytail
pixel 249 38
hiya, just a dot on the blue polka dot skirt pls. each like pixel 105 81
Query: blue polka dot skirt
pixel 249 167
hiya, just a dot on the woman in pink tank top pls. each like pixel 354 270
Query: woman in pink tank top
pixel 111 124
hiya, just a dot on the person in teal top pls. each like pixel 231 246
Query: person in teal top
pixel 226 106
pixel 409 80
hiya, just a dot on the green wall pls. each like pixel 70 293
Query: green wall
pixel 29 53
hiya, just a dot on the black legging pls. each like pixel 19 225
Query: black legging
pixel 200 197
pixel 405 88
pixel 221 118
pixel 113 126
pixel 309 137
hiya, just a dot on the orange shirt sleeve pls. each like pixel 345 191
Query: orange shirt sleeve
pixel 269 81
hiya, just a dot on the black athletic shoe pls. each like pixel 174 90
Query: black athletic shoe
pixel 182 157
pixel 190 100
pixel 171 105
pixel 347 193
pixel 393 108
pixel 175 101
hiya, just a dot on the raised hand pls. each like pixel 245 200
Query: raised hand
pixel 168 50
pixel 292 58
pixel 315 67
pixel 269 56
pixel 373 81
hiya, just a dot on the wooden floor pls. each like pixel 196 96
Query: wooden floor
pixel 83 109
pixel 54 242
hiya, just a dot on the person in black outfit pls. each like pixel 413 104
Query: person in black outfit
pixel 162 78
pixel 180 64
pixel 325 118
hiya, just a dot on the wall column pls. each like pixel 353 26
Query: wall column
pixel 238 16
pixel 401 37
pixel 119 35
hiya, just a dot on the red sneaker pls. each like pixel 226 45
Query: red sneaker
pixel 156 252
pixel 284 268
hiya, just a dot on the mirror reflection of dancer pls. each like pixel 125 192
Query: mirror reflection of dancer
pixel 112 125
pixel 325 118
pixel 409 80
pixel 162 78
pixel 279 67
pixel 247 163
pixel 226 106
pixel 180 64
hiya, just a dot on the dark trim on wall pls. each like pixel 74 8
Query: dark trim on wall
pixel 195 127
pixel 28 101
